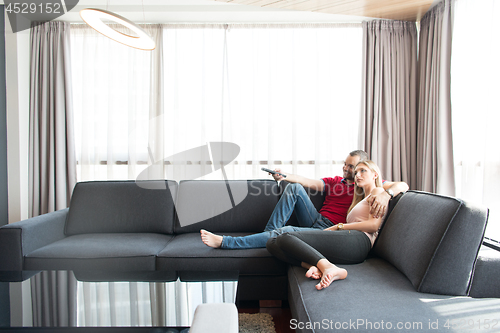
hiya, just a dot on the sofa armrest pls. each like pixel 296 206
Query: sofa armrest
pixel 20 238
pixel 485 282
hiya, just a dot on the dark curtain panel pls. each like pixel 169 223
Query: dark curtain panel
pixel 52 163
pixel 388 120
pixel 434 141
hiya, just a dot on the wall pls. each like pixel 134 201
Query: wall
pixel 17 66
pixel 4 217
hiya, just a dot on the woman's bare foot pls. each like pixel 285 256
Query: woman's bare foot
pixel 314 273
pixel 331 274
pixel 211 239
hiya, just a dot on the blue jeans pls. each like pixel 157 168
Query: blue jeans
pixel 294 198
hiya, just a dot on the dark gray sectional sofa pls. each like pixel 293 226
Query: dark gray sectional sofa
pixel 423 270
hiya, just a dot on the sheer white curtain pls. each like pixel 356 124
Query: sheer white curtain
pixel 288 95
pixel 476 110
pixel 112 94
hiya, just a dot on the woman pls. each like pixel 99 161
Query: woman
pixel 349 243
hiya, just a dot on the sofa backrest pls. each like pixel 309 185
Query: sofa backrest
pixel 121 207
pixel 225 206
pixel 434 241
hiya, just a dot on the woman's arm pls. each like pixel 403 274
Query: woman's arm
pixel 372 224
pixel 379 199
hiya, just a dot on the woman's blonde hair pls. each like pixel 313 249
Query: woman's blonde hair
pixel 359 193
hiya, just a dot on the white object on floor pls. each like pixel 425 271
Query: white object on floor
pixel 215 317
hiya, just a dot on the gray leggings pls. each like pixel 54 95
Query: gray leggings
pixel 339 247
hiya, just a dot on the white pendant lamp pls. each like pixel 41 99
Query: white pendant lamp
pixel 94 17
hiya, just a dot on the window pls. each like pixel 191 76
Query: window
pixel 288 96
pixel 476 111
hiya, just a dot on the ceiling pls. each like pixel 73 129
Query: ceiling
pixel 256 11
pixel 405 10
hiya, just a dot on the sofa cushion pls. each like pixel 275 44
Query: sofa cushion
pixel 108 252
pixel 433 240
pixel 376 297
pixel 220 206
pixel 120 206
pixel 186 252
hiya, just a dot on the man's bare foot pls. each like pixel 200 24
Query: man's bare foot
pixel 211 239
pixel 331 274
pixel 314 273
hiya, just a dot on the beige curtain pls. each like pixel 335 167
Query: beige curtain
pixel 435 171
pixel 52 162
pixel 388 117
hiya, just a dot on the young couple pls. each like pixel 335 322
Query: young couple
pixel 342 232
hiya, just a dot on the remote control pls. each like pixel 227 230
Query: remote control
pixel 273 172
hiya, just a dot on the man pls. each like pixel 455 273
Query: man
pixel 339 192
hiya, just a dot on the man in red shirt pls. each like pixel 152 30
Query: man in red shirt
pixel 339 193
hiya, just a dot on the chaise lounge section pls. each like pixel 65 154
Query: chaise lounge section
pixel 417 278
